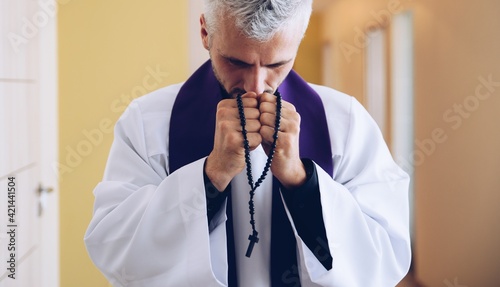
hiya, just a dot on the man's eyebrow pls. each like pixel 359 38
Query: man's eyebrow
pixel 236 60
pixel 280 63
pixel 243 63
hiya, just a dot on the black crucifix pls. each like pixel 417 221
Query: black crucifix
pixel 253 239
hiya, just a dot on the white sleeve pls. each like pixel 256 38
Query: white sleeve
pixel 365 211
pixel 148 229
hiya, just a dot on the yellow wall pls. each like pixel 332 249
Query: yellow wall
pixel 109 52
pixel 457 184
pixel 308 62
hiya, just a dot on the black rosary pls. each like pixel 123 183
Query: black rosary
pixel 254 236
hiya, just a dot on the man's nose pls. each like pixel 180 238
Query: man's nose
pixel 255 80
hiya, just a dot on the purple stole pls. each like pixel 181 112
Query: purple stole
pixel 192 128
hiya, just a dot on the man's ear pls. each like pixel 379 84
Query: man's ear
pixel 204 32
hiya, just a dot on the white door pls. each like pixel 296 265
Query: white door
pixel 28 220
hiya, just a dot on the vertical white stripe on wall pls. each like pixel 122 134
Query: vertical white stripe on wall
pixel 328 68
pixel 402 91
pixel 197 53
pixel 375 81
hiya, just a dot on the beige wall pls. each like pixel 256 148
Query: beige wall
pixel 109 52
pixel 457 180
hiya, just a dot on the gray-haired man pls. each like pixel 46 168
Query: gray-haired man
pixel 185 202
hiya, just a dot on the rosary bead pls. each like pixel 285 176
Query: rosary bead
pixel 253 237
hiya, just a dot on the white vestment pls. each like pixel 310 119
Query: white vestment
pixel 150 228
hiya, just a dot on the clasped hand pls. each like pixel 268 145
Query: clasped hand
pixel 227 158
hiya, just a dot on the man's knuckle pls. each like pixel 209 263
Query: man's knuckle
pixel 225 126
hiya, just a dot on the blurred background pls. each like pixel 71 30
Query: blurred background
pixel 428 72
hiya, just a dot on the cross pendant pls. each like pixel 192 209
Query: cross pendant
pixel 253 239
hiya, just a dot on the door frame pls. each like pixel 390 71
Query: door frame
pixel 49 147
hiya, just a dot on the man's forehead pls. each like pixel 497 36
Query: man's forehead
pixel 235 45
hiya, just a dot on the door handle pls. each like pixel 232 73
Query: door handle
pixel 43 191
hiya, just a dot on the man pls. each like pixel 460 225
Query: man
pixel 173 207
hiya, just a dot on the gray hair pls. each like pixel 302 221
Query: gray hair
pixel 258 19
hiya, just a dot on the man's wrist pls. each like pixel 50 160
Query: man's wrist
pixel 309 171
pixel 219 180
pixel 214 197
pixel 295 178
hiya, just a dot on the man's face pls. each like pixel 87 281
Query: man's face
pixel 245 65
